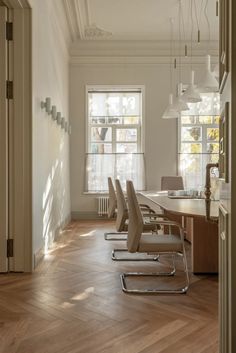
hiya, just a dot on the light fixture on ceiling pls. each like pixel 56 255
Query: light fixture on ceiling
pixel 191 95
pixel 179 103
pixel 209 82
pixel 170 112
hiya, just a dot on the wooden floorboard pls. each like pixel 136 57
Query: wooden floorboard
pixel 73 303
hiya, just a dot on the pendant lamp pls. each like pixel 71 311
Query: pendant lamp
pixel 209 83
pixel 191 95
pixel 170 112
pixel 179 104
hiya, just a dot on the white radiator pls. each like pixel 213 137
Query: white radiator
pixel 103 202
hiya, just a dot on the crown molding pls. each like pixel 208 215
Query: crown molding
pixel 110 51
pixel 148 61
pixel 73 9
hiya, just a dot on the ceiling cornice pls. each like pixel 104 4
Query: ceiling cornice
pixel 141 49
pixel 135 60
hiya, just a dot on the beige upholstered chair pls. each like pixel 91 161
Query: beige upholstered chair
pixel 138 242
pixel 172 183
pixel 112 207
pixel 122 221
pixel 121 212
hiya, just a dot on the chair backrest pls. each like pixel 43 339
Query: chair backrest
pixel 172 183
pixel 112 199
pixel 135 226
pixel 122 209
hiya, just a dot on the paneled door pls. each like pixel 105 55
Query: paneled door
pixel 3 141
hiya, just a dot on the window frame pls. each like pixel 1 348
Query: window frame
pixel 204 141
pixel 140 127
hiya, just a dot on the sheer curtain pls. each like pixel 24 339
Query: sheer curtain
pixel 120 166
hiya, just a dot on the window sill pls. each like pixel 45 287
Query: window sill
pixel 96 193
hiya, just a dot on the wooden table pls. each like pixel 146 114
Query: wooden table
pixel 203 235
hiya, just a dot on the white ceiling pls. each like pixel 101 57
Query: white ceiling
pixel 139 19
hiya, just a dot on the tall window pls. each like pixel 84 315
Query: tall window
pixel 198 145
pixel 114 137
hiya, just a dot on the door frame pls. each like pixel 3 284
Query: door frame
pixel 20 135
pixel 3 142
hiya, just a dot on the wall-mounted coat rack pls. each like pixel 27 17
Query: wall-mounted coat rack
pixel 56 116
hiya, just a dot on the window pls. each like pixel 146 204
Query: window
pixel 114 137
pixel 198 145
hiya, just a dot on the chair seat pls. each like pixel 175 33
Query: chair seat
pixel 160 243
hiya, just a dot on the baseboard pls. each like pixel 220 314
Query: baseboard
pixel 78 215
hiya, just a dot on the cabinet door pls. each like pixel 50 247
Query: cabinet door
pixel 224 42
pixel 224 307
pixel 224 136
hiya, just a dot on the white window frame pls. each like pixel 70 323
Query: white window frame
pixel 140 127
pixel 203 140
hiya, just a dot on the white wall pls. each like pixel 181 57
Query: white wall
pixel 51 186
pixel 160 135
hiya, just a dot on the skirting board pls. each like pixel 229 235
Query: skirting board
pixel 77 215
pixel 39 254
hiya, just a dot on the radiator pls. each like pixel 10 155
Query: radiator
pixel 103 202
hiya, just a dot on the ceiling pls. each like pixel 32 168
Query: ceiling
pixel 140 19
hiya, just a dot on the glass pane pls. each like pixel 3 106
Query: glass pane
pixel 213 134
pixel 209 106
pixel 214 158
pixel 115 120
pixel 191 148
pixel 126 135
pixel 191 133
pixel 132 120
pixel 204 120
pixel 114 103
pixel 188 120
pixel 213 148
pixel 98 120
pixel 216 120
pixel 101 148
pixel 101 134
pixel 190 164
pixel 126 148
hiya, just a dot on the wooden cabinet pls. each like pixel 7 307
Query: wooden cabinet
pixel 224 43
pixel 224 137
pixel 224 291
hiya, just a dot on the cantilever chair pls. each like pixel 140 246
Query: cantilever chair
pixel 172 183
pixel 138 242
pixel 122 216
pixel 122 221
pixel 112 207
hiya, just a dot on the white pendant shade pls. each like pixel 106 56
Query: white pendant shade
pixel 170 112
pixel 191 95
pixel 209 83
pixel 179 104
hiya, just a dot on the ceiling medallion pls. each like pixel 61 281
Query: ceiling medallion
pixel 93 32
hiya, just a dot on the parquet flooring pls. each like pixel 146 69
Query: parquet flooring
pixel 74 303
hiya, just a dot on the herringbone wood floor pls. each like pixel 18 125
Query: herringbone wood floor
pixel 74 303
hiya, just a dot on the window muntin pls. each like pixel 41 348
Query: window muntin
pixel 198 145
pixel 114 126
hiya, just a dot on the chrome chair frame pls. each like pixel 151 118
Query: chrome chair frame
pixel 173 247
pixel 122 217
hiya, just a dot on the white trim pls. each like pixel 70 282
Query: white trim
pixel 115 88
pixel 134 60
pixel 3 144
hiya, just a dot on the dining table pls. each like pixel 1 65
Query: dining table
pixel 201 233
